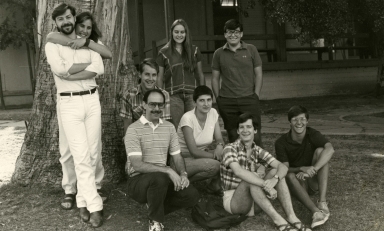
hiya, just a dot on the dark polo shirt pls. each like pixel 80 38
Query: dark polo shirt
pixel 176 78
pixel 296 154
pixel 236 69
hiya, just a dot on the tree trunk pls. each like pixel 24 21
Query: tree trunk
pixel 38 161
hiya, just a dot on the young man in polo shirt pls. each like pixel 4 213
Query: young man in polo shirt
pixel 246 186
pixel 306 153
pixel 132 104
pixel 238 64
pixel 151 181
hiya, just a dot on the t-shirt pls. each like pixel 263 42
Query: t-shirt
pixel 296 154
pixel 236 69
pixel 203 137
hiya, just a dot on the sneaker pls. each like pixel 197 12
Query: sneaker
pixel 319 218
pixel 322 205
pixel 155 226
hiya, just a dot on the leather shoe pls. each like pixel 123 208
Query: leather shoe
pixel 96 219
pixel 84 214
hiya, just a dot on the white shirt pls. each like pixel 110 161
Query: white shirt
pixel 61 58
pixel 203 137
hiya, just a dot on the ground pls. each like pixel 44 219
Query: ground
pixel 355 188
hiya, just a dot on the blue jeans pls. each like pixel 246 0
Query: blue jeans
pixel 180 104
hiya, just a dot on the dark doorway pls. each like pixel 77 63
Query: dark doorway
pixel 221 14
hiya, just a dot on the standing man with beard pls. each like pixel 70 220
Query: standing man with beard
pixel 78 114
pixel 132 104
pixel 147 142
pixel 238 64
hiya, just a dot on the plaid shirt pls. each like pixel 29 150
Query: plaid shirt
pixel 132 104
pixel 236 152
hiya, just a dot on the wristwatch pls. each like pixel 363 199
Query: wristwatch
pixel 220 144
pixel 277 177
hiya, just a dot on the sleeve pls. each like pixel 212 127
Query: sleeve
pixel 99 42
pixel 256 57
pixel 265 157
pixel 126 107
pixel 281 154
pixel 132 142
pixel 186 120
pixel 216 60
pixel 174 147
pixel 197 54
pixel 96 65
pixel 317 139
pixel 167 108
pixel 59 66
pixel 229 156
pixel 160 59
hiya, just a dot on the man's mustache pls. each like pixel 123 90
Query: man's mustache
pixel 66 24
pixel 156 111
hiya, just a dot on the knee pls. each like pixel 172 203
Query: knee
pixel 191 196
pixel 290 177
pixel 159 179
pixel 213 166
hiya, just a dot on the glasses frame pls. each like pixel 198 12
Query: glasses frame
pixel 152 105
pixel 301 120
pixel 233 33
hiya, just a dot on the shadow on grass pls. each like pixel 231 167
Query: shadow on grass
pixel 355 196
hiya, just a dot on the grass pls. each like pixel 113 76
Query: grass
pixel 355 191
pixel 355 198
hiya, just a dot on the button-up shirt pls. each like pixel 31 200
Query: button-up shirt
pixel 61 58
pixel 236 152
pixel 132 104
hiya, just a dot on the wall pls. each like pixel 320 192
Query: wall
pixel 15 76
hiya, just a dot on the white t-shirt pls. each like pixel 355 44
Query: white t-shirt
pixel 203 137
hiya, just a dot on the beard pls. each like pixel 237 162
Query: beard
pixel 65 31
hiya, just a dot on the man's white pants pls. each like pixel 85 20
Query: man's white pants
pixel 79 120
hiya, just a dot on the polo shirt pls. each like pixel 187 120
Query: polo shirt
pixel 177 79
pixel 236 69
pixel 236 152
pixel 151 142
pixel 132 104
pixel 296 154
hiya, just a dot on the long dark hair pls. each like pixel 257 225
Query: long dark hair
pixel 95 33
pixel 188 57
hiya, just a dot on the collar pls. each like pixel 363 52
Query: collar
pixel 144 120
pixel 242 46
pixel 139 88
pixel 242 145
pixel 289 136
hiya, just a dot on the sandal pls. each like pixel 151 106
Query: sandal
pixel 103 195
pixel 301 227
pixel 286 227
pixel 68 198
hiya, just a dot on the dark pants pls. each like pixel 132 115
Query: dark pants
pixel 231 108
pixel 157 190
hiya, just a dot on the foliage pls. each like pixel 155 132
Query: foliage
pixel 17 26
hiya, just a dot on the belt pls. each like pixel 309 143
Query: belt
pixel 78 93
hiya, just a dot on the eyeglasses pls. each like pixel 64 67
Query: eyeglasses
pixel 301 120
pixel 233 32
pixel 153 105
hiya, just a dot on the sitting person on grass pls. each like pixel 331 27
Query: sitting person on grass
pixel 246 186
pixel 148 142
pixel 196 131
pixel 306 153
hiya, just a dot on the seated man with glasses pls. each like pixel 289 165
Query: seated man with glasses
pixel 238 64
pixel 132 105
pixel 151 181
pixel 306 153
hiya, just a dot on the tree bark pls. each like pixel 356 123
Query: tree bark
pixel 38 161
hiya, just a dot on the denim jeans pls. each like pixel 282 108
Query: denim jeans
pixel 79 120
pixel 180 104
pixel 157 190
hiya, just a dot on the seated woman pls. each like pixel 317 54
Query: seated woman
pixel 86 28
pixel 195 132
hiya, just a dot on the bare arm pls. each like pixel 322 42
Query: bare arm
pixel 201 74
pixel 58 38
pixel 291 169
pixel 103 50
pixel 216 83
pixel 246 175
pixel 325 156
pixel 259 79
pixel 160 77
pixel 191 144
pixel 127 122
pixel 219 141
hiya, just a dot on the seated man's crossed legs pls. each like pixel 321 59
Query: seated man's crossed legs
pixel 250 199
pixel 302 189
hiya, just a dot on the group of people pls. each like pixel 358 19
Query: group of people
pixel 170 126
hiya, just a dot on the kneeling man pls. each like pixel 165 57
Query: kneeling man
pixel 147 142
pixel 306 153
pixel 246 186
